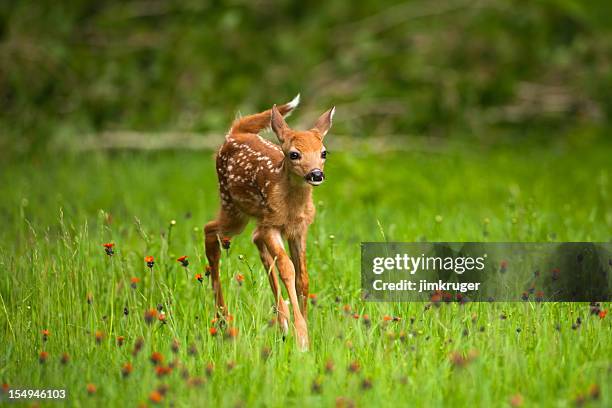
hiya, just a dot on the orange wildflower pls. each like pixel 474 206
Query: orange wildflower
pixel 157 358
pixel 126 369
pixel 183 261
pixel 150 261
pixel 156 397
pixel 108 247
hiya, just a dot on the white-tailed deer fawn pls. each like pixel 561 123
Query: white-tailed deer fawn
pixel 272 184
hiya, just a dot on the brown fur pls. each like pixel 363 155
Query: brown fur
pixel 257 179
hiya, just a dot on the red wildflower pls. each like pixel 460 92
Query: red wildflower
pixel 213 331
pixel 156 397
pixel 162 371
pixel 355 315
pixel 133 282
pixel 99 336
pixel 108 247
pixel 210 369
pixel 195 381
pixel 150 261
pixel 539 296
pixel 42 357
pixel 594 391
pixel 503 265
pixel 602 314
pixel 183 261
pixel 387 318
pixel 226 242
pixel 162 318
pixel 65 358
pixel 354 367
pixel 232 333
pixel 150 315
pixel 459 360
pixel 5 387
pixel 45 334
pixel 329 366
pixel 316 386
pixel 138 346
pixel 157 358
pixel 516 401
pixel 199 277
pixel 265 353
pixel 366 384
pixel 120 340
pixel 555 273
pixel 347 309
pixel 313 298
pixel 126 369
pixel 91 389
pixel 239 278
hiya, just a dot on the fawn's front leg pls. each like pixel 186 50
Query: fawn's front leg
pixel 281 307
pixel 297 248
pixel 274 243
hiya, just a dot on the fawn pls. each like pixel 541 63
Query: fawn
pixel 272 184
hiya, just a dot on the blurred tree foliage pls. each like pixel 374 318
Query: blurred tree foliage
pixel 443 68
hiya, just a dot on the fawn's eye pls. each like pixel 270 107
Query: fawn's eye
pixel 324 154
pixel 294 155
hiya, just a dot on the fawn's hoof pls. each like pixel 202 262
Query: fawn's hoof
pixel 302 343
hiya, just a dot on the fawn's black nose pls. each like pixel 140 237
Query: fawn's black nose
pixel 315 177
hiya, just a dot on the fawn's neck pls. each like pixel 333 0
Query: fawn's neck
pixel 296 191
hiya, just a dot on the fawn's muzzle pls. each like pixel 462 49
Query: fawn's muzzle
pixel 315 177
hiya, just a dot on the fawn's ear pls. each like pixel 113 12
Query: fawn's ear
pixel 279 126
pixel 324 123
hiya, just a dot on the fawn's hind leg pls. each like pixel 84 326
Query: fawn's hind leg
pixel 225 226
pixel 266 259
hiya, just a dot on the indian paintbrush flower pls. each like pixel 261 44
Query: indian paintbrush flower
pixel 91 389
pixel 240 279
pixel 42 357
pixel 226 242
pixel 150 261
pixel 108 247
pixel 126 369
pixel 183 261
pixel 150 315
pixel 157 358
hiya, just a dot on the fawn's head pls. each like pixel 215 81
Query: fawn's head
pixel 304 150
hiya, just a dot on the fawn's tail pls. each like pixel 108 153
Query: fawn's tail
pixel 259 121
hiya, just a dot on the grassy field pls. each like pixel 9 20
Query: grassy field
pixel 56 214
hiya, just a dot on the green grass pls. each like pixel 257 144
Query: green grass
pixel 57 213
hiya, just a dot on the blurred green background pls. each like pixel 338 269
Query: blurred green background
pixel 491 70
